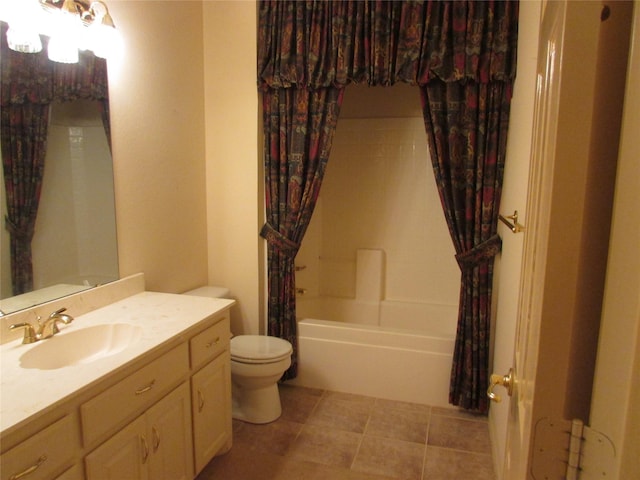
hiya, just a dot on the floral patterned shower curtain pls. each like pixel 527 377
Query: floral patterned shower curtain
pixel 452 50
pixel 299 126
pixel 466 127
pixel 29 83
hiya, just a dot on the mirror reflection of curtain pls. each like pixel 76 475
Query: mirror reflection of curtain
pixel 24 139
pixel 456 52
pixel 29 83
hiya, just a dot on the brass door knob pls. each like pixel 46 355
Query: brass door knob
pixel 506 381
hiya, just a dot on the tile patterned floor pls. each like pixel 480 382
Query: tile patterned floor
pixel 325 435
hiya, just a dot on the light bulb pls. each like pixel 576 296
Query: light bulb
pixel 22 35
pixel 62 50
pixel 66 33
pixel 23 40
pixel 104 38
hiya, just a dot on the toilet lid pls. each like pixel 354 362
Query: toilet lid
pixel 259 348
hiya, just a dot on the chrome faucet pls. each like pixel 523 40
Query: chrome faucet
pixel 46 329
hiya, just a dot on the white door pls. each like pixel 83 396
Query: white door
pixel 537 231
pixel 547 356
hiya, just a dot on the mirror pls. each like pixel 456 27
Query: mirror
pixel 74 242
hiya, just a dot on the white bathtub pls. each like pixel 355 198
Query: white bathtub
pixel 409 363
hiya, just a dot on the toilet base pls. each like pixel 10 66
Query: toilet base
pixel 256 405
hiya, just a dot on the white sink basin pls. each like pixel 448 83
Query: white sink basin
pixel 85 345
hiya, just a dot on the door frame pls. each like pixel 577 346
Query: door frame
pixel 616 392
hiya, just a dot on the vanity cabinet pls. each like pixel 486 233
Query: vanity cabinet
pixel 157 445
pixel 182 430
pixel 163 415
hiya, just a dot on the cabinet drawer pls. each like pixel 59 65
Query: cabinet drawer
pixel 109 410
pixel 45 453
pixel 210 343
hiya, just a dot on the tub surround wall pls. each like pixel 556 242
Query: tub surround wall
pixel 379 232
pixel 418 317
pixel 369 306
pixel 431 318
pixel 369 275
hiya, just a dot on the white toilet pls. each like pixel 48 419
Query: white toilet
pixel 257 363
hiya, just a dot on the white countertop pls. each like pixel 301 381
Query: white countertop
pixel 24 393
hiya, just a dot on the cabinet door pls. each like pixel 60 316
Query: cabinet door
pixel 170 440
pixel 74 473
pixel 211 401
pixel 125 455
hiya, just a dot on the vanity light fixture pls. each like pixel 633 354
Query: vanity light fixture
pixel 72 25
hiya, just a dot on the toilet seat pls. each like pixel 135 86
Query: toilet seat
pixel 259 349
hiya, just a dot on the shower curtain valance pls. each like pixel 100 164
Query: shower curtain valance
pixel 313 44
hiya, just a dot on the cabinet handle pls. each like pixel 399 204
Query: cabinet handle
pixel 215 342
pixel 146 388
pixel 145 449
pixel 200 400
pixel 29 470
pixel 156 439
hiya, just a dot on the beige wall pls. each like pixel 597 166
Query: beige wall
pixel 157 111
pixel 233 174
pixel 184 106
